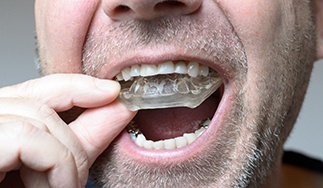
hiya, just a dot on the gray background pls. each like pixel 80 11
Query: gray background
pixel 17 64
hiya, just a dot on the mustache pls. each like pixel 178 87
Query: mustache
pixel 161 30
pixel 209 38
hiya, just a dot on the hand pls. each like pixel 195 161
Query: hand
pixel 37 142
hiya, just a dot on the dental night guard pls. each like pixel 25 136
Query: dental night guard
pixel 168 90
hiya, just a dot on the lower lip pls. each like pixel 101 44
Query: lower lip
pixel 167 157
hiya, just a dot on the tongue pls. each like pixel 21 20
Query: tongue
pixel 160 124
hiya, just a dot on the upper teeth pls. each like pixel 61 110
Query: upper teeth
pixel 191 68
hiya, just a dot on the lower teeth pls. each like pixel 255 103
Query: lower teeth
pixel 166 91
pixel 173 143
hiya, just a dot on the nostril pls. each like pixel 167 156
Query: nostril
pixel 169 5
pixel 121 9
pixel 149 9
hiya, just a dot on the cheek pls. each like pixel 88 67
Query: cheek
pixel 257 23
pixel 61 30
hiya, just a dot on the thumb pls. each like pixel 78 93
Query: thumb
pixel 97 127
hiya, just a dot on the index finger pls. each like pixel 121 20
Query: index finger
pixel 63 91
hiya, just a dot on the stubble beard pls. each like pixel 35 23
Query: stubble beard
pixel 112 168
pixel 247 149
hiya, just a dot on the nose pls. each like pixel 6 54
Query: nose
pixel 148 9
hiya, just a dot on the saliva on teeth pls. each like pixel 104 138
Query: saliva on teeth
pixel 170 84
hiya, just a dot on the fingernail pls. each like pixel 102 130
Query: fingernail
pixel 107 85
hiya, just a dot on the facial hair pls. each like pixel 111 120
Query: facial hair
pixel 113 169
pixel 251 139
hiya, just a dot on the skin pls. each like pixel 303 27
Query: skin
pixel 266 50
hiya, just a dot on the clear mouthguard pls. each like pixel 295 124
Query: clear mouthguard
pixel 166 91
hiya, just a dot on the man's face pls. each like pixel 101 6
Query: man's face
pixel 263 50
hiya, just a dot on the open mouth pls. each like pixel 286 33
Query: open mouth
pixel 176 101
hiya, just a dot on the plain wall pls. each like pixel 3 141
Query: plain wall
pixel 17 64
pixel 17 43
